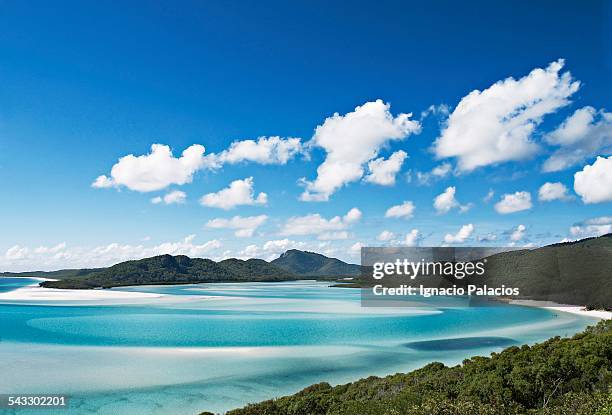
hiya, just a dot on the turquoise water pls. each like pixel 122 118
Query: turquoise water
pixel 218 346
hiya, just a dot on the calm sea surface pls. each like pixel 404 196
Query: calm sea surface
pixel 219 346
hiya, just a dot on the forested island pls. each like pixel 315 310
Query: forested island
pixel 559 376
pixel 180 269
pixel 575 273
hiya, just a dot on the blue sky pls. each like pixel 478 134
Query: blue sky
pixel 85 84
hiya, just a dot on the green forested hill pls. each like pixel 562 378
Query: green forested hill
pixel 569 376
pixel 311 264
pixel 573 273
pixel 576 273
pixel 180 269
pixel 568 273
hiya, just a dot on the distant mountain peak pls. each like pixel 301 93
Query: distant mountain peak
pixel 312 264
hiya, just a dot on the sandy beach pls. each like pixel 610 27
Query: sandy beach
pixel 34 292
pixel 565 308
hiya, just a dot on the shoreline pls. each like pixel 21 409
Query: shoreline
pixel 565 308
pixel 34 292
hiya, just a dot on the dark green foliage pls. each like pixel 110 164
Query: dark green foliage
pixel 568 273
pixel 180 269
pixel 578 273
pixel 569 376
pixel 313 265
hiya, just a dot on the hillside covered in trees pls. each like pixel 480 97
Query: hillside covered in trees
pixel 567 273
pixel 569 376
pixel 576 273
pixel 311 264
pixel 180 269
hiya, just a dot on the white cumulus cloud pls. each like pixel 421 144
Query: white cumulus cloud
pixel 436 173
pixel 175 196
pixel 405 210
pixel 18 258
pixel 461 236
pixel 350 141
pixel 446 201
pixel 584 134
pixel 518 233
pixel 156 170
pixel 412 238
pixel 592 227
pixel 356 248
pixel 383 171
pixel 244 226
pixel 385 236
pixel 239 192
pixel 594 182
pixel 315 224
pixel 271 249
pixel 266 150
pixel 16 252
pixel 553 191
pixel 514 202
pixel 496 125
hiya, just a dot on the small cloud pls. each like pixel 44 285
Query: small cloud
pixel 266 150
pixel 412 238
pixel 244 226
pixel 584 134
pixel 553 191
pixel 239 192
pixel 489 196
pixel 405 210
pixel 461 236
pixel 446 201
pixel 174 197
pixel 518 234
pixel 385 236
pixel 488 237
pixel 383 171
pixel 436 173
pixel 103 182
pixel 315 224
pixel 515 202
pixel 356 248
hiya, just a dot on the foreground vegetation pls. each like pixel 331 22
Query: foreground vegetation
pixel 560 376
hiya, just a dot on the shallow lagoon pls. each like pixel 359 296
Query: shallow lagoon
pixel 218 346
